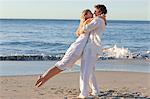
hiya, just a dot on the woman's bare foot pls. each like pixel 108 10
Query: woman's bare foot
pixel 39 81
pixel 47 75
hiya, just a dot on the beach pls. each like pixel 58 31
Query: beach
pixel 66 85
pixel 28 47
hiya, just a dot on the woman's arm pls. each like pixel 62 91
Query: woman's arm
pixel 79 28
pixel 77 32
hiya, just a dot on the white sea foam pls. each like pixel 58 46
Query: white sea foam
pixel 113 52
pixel 117 52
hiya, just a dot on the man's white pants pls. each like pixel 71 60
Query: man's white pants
pixel 87 72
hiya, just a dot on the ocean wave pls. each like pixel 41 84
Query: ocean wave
pixel 123 53
pixel 108 53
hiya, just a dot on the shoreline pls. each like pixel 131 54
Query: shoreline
pixel 37 67
pixel 68 72
pixel 66 85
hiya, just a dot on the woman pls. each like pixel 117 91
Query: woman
pixel 73 53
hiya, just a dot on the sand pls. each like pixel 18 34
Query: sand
pixel 66 86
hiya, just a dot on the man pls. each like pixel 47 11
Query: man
pixel 88 60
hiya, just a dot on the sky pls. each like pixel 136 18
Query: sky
pixel 71 9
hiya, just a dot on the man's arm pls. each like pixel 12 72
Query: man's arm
pixel 91 26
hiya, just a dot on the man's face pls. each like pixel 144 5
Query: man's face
pixel 97 12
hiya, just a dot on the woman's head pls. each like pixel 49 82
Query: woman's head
pixel 86 14
pixel 100 9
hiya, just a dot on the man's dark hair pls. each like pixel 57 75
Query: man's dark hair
pixel 102 8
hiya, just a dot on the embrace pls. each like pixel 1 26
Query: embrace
pixel 86 47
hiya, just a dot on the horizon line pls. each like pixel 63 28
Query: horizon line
pixel 64 19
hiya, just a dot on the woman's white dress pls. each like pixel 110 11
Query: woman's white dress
pixel 73 53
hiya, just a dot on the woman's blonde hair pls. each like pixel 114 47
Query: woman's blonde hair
pixel 84 12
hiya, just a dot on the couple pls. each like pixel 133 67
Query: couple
pixel 86 48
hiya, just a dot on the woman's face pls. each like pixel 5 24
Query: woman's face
pixel 89 15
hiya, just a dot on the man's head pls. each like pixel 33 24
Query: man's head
pixel 100 9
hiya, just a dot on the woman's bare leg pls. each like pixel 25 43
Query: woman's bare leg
pixel 47 75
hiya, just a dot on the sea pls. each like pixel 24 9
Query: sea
pixel 40 40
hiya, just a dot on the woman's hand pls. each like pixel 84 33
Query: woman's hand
pixel 78 34
pixel 103 17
